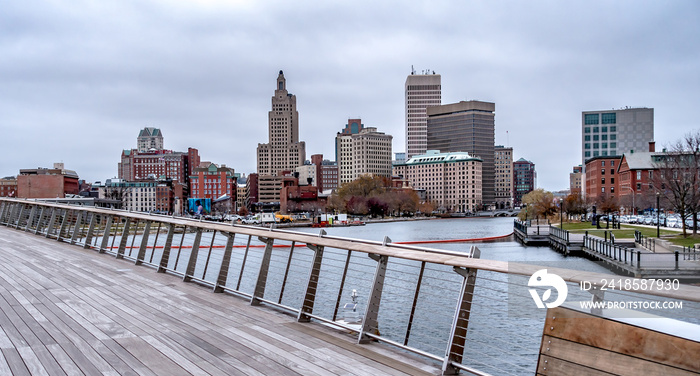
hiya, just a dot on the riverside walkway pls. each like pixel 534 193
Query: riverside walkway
pixel 67 310
pixel 97 291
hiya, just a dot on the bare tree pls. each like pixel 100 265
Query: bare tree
pixel 677 179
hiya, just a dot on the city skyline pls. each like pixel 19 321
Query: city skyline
pixel 80 82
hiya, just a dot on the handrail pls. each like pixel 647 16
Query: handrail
pixel 306 265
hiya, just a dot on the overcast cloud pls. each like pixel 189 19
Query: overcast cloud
pixel 79 79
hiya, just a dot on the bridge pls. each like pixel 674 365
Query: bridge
pixel 89 291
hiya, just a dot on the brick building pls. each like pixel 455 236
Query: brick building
pixel 601 177
pixel 47 182
pixel 8 186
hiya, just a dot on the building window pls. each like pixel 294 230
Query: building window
pixel 604 145
pixel 595 129
pixel 612 181
pixel 586 146
pixel 610 118
pixel 604 129
pixel 596 145
pixel 590 119
pixel 613 145
pixel 602 181
pixel 604 137
pixel 595 137
pixel 587 130
pixel 639 187
pixel 602 190
pixel 602 172
pixel 588 154
pixel 587 138
pixel 613 128
pixel 639 175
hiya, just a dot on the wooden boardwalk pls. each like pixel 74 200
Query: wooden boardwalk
pixel 67 310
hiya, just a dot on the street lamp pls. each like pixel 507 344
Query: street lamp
pixel 657 214
pixel 561 213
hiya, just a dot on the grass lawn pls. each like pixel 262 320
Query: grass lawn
pixel 627 232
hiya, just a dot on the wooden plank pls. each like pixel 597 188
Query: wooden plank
pixel 67 364
pixel 15 362
pixel 623 338
pixel 549 366
pixel 45 366
pixel 151 358
pixel 604 360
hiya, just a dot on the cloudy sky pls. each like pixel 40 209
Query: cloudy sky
pixel 79 79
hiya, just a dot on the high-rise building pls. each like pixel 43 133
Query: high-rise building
pixel 524 177
pixel 504 176
pixel 615 132
pixel 467 126
pixel 422 91
pixel 149 139
pixel 367 152
pixel 450 180
pixel 284 151
pixel 575 179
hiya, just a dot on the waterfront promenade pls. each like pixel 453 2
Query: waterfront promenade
pixel 67 310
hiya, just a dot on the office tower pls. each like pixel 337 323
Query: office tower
pixel 467 126
pixel 504 176
pixel 575 179
pixel 524 179
pixel 284 151
pixel 367 152
pixel 615 132
pixel 422 91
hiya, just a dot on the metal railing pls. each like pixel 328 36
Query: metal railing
pixel 527 228
pixel 645 241
pixel 465 313
pixel 559 233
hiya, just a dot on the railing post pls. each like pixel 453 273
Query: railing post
pixel 458 334
pixel 124 239
pixel 676 254
pixel 165 257
pixel 37 228
pixel 286 271
pixel 369 323
pixel 106 234
pixel 307 307
pixel 415 303
pixel 342 285
pixel 20 215
pixel 259 291
pixel 76 228
pixel 189 271
pixel 52 222
pixel 144 244
pixel 225 263
pixel 91 230
pixel 30 220
pixel 64 224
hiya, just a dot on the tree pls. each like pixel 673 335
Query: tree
pixel 607 204
pixel 540 203
pixel 575 204
pixel 243 211
pixel 677 177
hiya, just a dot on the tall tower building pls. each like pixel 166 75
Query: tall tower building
pixel 615 132
pixel 504 176
pixel 284 151
pixel 422 91
pixel 524 179
pixel 467 126
pixel 149 138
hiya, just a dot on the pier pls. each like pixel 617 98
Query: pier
pixel 89 290
pixel 641 257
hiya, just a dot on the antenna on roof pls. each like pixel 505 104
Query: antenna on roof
pixel 413 71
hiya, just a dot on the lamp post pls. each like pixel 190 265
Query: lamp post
pixel 561 213
pixel 657 214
